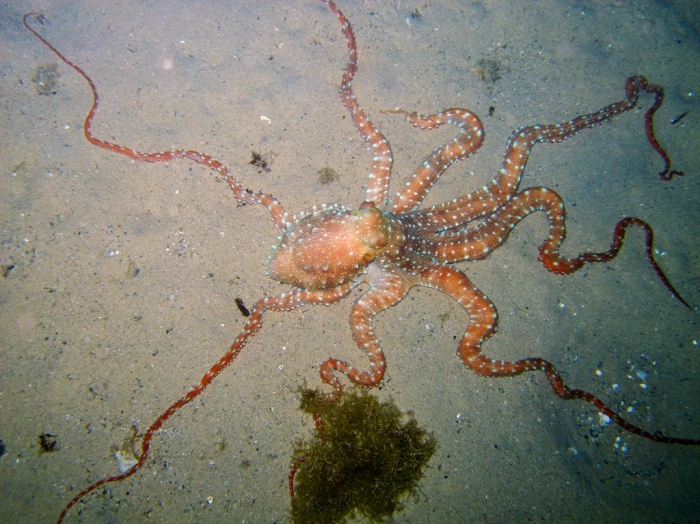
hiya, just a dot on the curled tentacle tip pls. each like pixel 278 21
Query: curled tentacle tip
pixel 667 174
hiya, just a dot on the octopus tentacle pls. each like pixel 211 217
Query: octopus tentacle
pixel 479 203
pixel 283 302
pixel 244 196
pixel 478 242
pixel 386 289
pixel 382 159
pixel 633 86
pixel 487 367
pixel 553 261
pixel 465 144
pixel 483 320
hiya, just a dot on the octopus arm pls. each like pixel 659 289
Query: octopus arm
pixel 478 242
pixel 382 159
pixel 387 287
pixel 504 186
pixel 283 302
pixel 465 144
pixel 483 321
pixel 483 318
pixel 301 297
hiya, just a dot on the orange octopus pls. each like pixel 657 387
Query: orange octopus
pixel 391 245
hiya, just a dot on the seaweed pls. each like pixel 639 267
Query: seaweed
pixel 362 461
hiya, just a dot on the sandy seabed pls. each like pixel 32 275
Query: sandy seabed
pixel 119 278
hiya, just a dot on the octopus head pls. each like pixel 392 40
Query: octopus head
pixel 328 248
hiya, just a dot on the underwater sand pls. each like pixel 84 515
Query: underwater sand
pixel 124 276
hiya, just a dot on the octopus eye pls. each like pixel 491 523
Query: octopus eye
pixel 368 257
pixel 378 240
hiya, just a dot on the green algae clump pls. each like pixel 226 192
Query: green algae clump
pixel 361 462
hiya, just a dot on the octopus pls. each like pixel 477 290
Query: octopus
pixel 391 244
